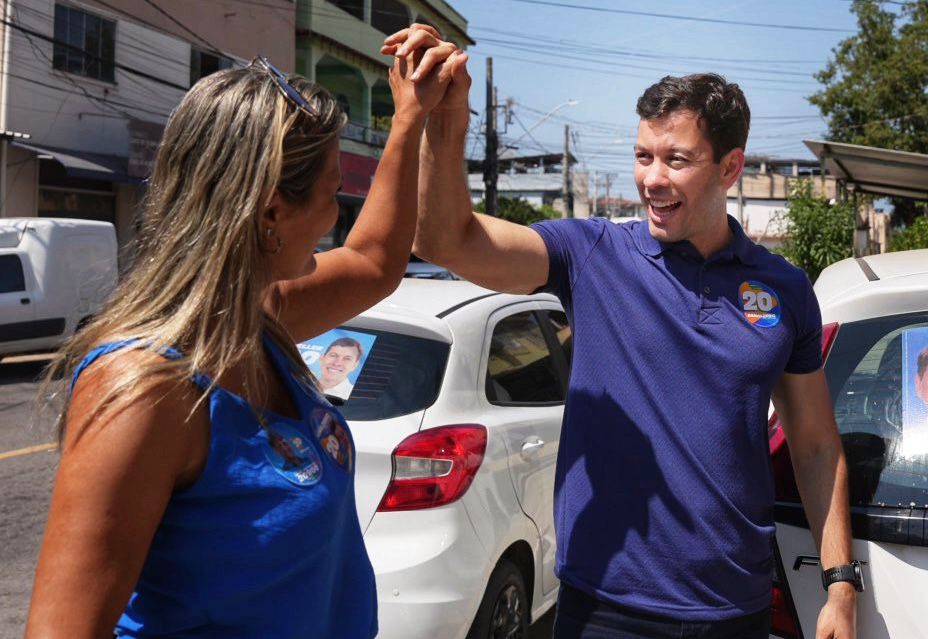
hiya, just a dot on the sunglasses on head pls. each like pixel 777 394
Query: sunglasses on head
pixel 295 97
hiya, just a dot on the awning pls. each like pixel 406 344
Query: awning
pixel 874 170
pixel 88 166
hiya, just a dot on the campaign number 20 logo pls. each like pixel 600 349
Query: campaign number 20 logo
pixel 760 304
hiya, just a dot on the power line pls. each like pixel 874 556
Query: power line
pixel 633 53
pixel 167 15
pixel 648 14
pixel 123 67
pixel 561 56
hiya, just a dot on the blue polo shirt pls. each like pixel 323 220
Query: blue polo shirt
pixel 663 491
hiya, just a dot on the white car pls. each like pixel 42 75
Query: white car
pixel 456 415
pixel 875 338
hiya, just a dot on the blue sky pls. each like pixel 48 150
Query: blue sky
pixel 544 56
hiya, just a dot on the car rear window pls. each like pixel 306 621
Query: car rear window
pixel 401 375
pixel 872 373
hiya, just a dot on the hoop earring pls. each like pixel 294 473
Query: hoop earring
pixel 270 234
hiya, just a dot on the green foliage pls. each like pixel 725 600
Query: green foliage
pixel 519 211
pixel 818 233
pixel 914 236
pixel 874 86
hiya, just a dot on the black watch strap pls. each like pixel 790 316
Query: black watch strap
pixel 848 572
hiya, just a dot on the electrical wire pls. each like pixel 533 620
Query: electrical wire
pixel 794 27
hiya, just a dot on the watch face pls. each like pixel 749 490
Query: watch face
pixel 858 576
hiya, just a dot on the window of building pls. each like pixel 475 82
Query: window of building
pixel 389 16
pixel 203 63
pixel 84 44
pixel 354 7
pixel 12 278
pixel 520 369
pixel 64 196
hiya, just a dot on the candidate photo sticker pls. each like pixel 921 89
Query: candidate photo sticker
pixel 292 455
pixel 760 304
pixel 332 436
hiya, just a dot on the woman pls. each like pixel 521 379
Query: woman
pixel 192 485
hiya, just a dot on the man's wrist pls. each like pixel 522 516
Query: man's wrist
pixel 449 122
pixel 842 591
pixel 410 120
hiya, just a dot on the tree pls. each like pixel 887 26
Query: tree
pixel 875 86
pixel 914 236
pixel 818 232
pixel 519 211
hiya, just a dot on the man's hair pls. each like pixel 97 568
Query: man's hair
pixel 720 106
pixel 346 342
pixel 922 362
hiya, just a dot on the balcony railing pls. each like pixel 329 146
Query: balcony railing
pixel 362 133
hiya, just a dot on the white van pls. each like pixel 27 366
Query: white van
pixel 54 275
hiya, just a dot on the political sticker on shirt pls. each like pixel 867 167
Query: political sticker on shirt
pixel 292 455
pixel 332 435
pixel 336 358
pixel 915 392
pixel 760 304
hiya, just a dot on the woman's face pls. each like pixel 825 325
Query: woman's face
pixel 301 225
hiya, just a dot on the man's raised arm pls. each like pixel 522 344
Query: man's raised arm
pixel 485 250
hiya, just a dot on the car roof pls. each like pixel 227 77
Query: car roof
pixel 431 297
pixel 874 286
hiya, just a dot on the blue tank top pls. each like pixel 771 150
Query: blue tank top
pixel 266 542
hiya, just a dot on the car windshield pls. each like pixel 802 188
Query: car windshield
pixel 877 379
pixel 401 375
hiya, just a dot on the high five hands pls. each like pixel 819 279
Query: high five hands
pixel 419 48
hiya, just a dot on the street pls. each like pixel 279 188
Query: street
pixel 27 467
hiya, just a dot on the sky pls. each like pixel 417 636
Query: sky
pixel 545 56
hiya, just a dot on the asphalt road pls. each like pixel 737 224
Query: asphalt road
pixel 27 469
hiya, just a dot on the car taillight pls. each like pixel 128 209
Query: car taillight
pixel 783 619
pixel 434 467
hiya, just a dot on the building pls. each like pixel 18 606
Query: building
pixel 759 198
pixel 86 87
pixel 338 45
pixel 89 85
pixel 537 179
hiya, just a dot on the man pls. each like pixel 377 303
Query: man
pixel 682 331
pixel 339 360
pixel 921 376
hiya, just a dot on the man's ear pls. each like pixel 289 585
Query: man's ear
pixel 732 164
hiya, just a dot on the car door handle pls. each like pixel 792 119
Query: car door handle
pixel 805 560
pixel 809 560
pixel 531 446
pixel 24 300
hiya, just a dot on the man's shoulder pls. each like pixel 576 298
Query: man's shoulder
pixel 776 266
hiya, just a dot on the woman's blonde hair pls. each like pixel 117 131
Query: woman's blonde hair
pixel 199 272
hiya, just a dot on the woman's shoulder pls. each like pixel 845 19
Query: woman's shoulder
pixel 144 406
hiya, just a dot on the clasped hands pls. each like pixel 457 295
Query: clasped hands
pixel 429 74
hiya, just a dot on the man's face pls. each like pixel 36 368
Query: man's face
pixel 921 386
pixel 681 186
pixel 337 364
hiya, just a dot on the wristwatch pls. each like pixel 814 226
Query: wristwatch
pixel 848 572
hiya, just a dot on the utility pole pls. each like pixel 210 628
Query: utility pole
pixel 595 187
pixel 567 191
pixel 608 184
pixel 491 159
